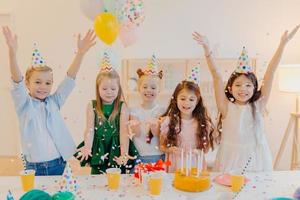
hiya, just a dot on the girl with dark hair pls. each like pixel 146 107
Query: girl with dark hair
pixel 185 124
pixel 243 143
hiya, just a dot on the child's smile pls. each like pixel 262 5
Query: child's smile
pixel 186 102
pixel 40 84
pixel 108 90
pixel 149 88
pixel 242 89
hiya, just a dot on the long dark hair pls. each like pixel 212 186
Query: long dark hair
pixel 205 127
pixel 256 94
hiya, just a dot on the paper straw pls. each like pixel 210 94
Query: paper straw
pixel 23 161
pixel 247 165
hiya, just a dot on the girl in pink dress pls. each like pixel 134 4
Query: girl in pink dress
pixel 185 124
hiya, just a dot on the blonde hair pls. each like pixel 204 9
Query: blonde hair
pixel 112 75
pixel 140 80
pixel 30 70
pixel 141 74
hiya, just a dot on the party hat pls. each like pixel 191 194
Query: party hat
pixel 68 182
pixel 9 196
pixel 37 60
pixel 152 67
pixel 243 63
pixel 194 75
pixel 106 65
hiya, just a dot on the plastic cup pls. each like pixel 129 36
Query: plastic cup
pixel 155 183
pixel 27 179
pixel 113 178
pixel 237 181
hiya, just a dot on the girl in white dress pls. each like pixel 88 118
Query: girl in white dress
pixel 143 124
pixel 243 143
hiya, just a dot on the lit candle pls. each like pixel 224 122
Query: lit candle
pixel 190 160
pixel 186 164
pixel 199 168
pixel 203 165
pixel 181 160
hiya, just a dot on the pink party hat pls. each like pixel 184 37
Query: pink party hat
pixel 243 63
pixel 194 75
pixel 37 60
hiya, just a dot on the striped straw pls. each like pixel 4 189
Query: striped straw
pixel 247 165
pixel 23 161
pixel 243 172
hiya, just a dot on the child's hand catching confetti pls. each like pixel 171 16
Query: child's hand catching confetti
pixel 133 128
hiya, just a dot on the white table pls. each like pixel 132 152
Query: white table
pixel 261 186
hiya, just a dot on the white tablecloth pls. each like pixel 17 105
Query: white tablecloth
pixel 260 186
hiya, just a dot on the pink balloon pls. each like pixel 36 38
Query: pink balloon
pixel 128 34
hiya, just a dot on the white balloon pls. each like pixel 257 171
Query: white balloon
pixel 91 8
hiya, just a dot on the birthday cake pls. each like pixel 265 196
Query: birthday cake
pixel 192 182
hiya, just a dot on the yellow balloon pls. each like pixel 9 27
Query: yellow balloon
pixel 106 27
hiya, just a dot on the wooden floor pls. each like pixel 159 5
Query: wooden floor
pixel 11 166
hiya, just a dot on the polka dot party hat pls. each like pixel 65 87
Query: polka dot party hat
pixel 194 75
pixel 152 66
pixel 106 65
pixel 68 181
pixel 37 60
pixel 243 63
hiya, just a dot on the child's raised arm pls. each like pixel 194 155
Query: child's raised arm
pixel 12 43
pixel 269 74
pixel 221 99
pixel 83 45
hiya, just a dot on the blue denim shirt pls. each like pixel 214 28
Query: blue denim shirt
pixel 30 122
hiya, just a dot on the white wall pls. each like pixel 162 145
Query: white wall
pixel 230 24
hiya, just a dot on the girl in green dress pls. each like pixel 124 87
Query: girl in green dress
pixel 106 143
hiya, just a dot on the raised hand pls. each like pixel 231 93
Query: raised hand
pixel 269 74
pixel 83 45
pixel 286 37
pixel 11 39
pixel 200 39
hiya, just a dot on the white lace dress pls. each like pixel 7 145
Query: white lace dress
pixel 243 143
